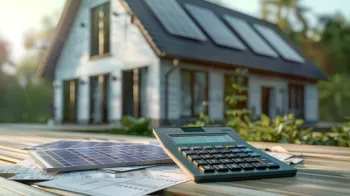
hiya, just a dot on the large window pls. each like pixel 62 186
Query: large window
pixel 194 93
pixel 296 99
pixel 100 27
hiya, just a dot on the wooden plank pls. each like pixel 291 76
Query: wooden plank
pixel 15 188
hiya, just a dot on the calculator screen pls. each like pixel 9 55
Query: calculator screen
pixel 202 139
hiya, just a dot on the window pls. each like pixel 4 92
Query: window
pixel 194 93
pixel 296 99
pixel 100 20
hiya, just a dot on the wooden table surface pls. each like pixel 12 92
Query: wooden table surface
pixel 325 171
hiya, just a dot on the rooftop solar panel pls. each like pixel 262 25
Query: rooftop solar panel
pixel 247 33
pixel 82 157
pixel 214 27
pixel 175 20
pixel 279 44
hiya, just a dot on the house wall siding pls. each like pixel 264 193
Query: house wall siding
pixel 256 82
pixel 129 49
pixel 311 102
pixel 280 86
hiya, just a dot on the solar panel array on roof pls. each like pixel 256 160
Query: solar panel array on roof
pixel 175 20
pixel 279 44
pixel 214 27
pixel 247 33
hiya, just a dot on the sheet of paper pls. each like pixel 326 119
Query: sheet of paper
pixel 280 156
pixel 28 170
pixel 152 180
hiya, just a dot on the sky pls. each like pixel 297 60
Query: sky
pixel 19 16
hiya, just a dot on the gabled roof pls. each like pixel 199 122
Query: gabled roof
pixel 166 45
pixel 48 63
pixel 175 46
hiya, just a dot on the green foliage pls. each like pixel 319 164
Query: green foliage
pixel 30 104
pixel 133 126
pixel 282 129
pixel 334 97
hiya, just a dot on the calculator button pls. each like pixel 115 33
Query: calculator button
pixel 238 160
pixel 254 154
pixel 221 168
pixel 208 147
pixel 233 167
pixel 219 147
pixel 213 151
pixel 230 146
pixel 225 161
pixel 226 151
pixel 206 168
pixel 242 155
pixel 236 150
pixel 193 157
pixel 268 163
pixel 246 166
pixel 240 146
pixel 213 161
pixel 200 162
pixel 219 156
pixel 272 165
pixel 231 155
pixel 196 148
pixel 247 150
pixel 250 160
pixel 207 156
pixel 200 152
pixel 259 165
pixel 188 152
pixel 183 148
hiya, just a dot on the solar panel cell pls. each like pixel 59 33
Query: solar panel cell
pixel 287 52
pixel 175 20
pixel 215 28
pixel 247 33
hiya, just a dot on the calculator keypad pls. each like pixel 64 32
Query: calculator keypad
pixel 224 158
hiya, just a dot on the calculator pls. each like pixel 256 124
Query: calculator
pixel 212 154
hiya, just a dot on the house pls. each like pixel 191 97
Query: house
pixel 164 58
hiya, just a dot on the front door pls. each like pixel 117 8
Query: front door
pixel 265 100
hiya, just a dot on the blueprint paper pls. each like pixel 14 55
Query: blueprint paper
pixel 28 170
pixel 150 180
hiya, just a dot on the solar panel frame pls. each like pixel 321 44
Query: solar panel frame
pixel 175 20
pixel 284 49
pixel 214 27
pixel 251 38
pixel 124 154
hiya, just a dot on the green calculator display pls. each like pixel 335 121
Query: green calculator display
pixel 210 154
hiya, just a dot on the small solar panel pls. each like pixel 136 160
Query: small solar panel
pixel 175 20
pixel 93 155
pixel 279 44
pixel 247 33
pixel 214 27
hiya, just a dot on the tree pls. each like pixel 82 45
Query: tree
pixel 334 96
pixel 282 14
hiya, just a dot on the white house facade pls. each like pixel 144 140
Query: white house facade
pixel 100 77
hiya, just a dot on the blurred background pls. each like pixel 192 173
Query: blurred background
pixel 320 27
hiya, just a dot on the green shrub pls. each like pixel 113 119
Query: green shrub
pixel 282 129
pixel 133 126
